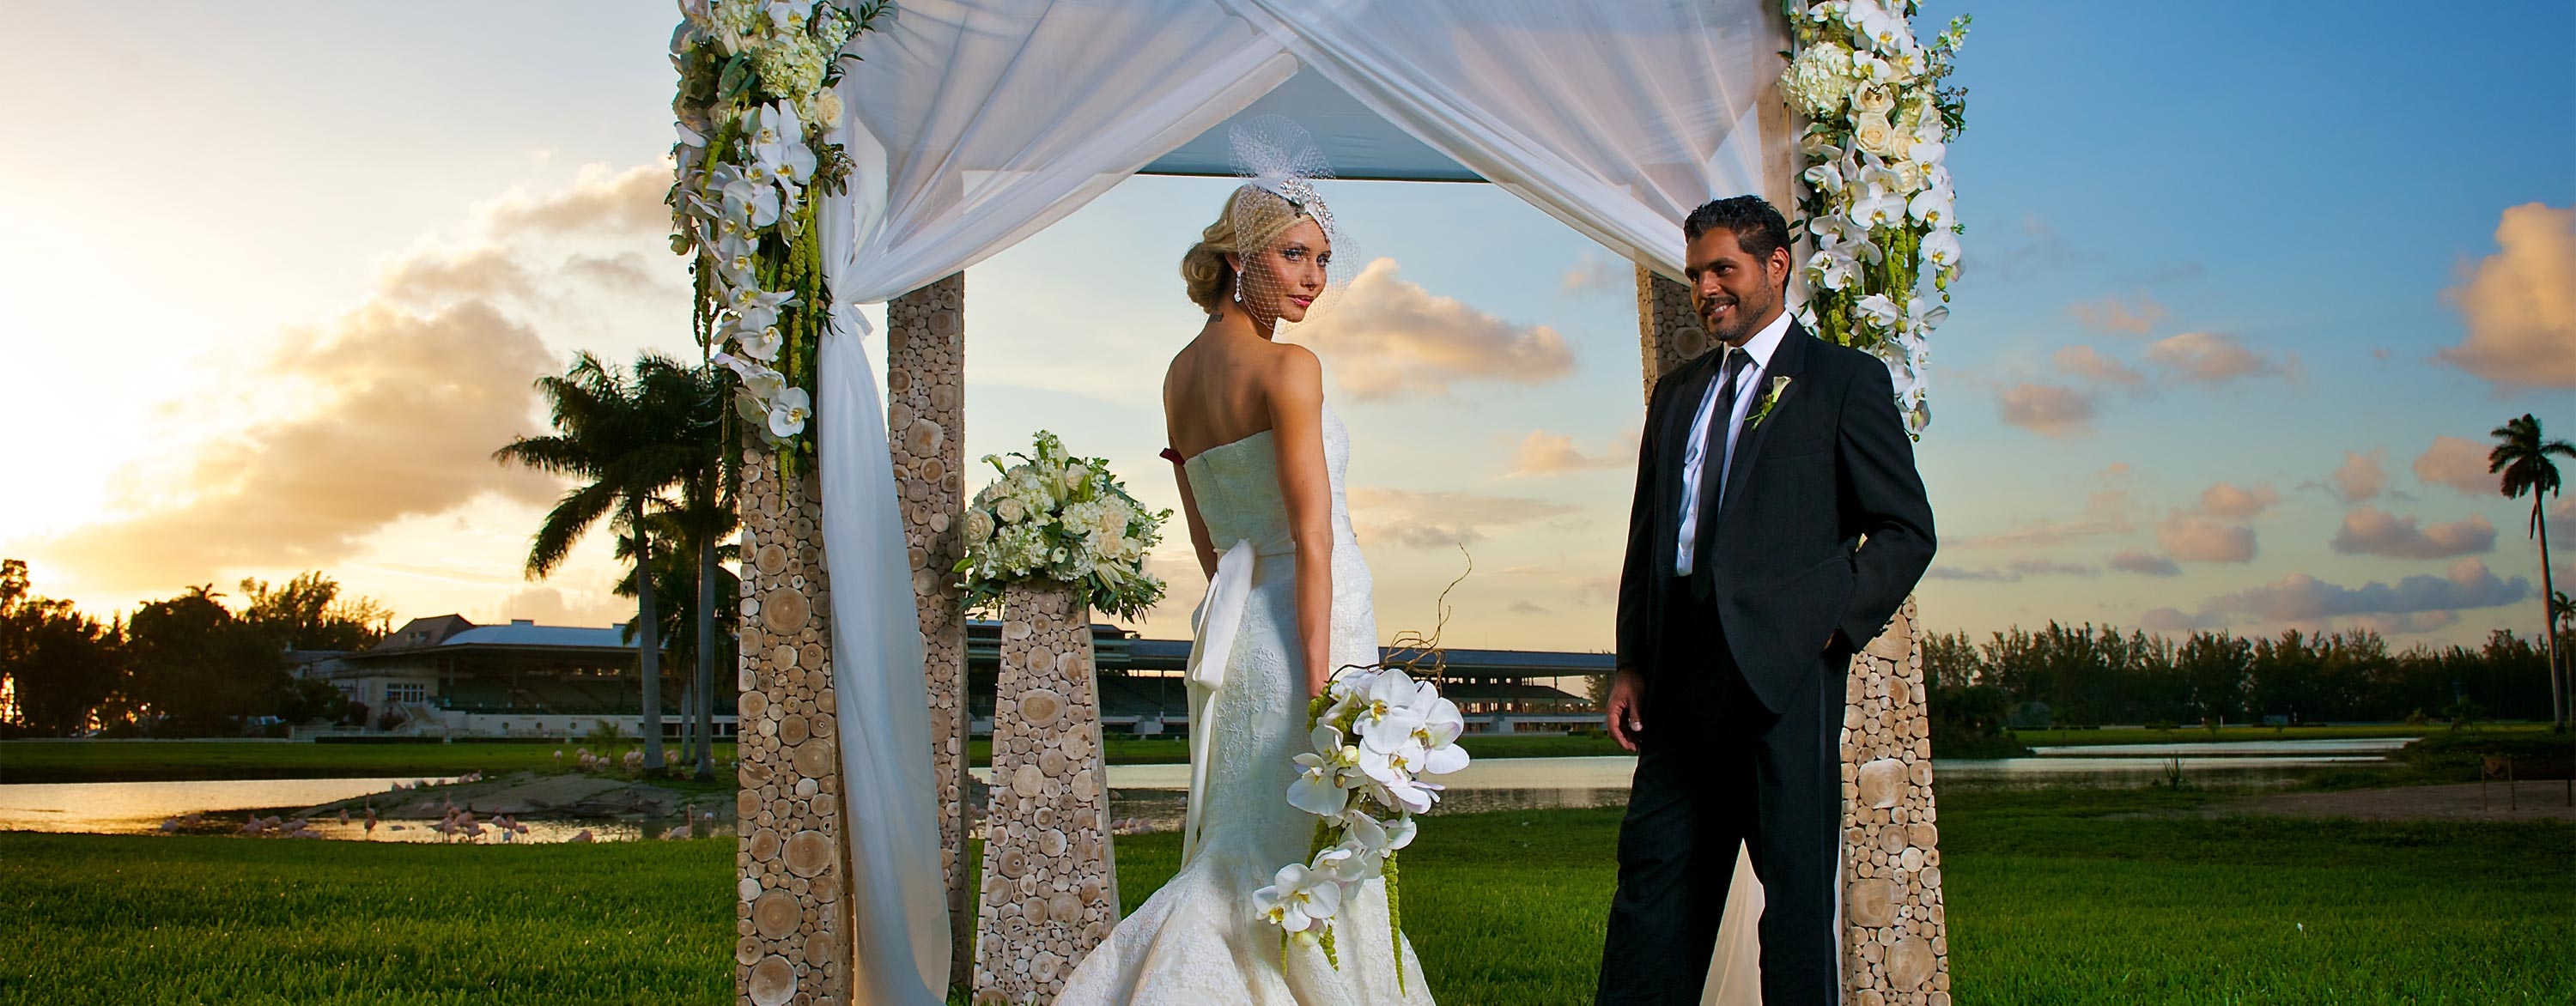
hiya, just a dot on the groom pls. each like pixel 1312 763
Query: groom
pixel 1778 524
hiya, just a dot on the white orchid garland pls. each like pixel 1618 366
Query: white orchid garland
pixel 755 100
pixel 1877 198
pixel 1374 733
pixel 1058 517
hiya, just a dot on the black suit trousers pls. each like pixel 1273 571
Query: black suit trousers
pixel 1716 769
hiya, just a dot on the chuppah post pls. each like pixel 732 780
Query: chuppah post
pixel 926 435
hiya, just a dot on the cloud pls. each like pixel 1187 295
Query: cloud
pixel 2010 573
pixel 551 606
pixel 428 278
pixel 2135 315
pixel 1544 453
pixel 1441 519
pixel 2520 303
pixel 408 408
pixel 2209 357
pixel 1591 273
pixel 2144 563
pixel 2408 623
pixel 2459 463
pixel 2046 409
pixel 2372 531
pixel 2106 511
pixel 2228 500
pixel 1391 338
pixel 1527 608
pixel 2361 476
pixel 2194 538
pixel 2174 620
pixel 601 202
pixel 2301 597
pixel 2084 362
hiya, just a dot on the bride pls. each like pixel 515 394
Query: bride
pixel 1260 462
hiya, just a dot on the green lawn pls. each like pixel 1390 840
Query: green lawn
pixel 135 761
pixel 2055 897
pixel 2193 734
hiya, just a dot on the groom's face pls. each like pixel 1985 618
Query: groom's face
pixel 1735 293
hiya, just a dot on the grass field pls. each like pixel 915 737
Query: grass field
pixel 138 761
pixel 2194 735
pixel 2055 897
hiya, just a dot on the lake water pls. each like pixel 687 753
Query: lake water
pixel 1152 795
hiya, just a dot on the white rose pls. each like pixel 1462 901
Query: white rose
pixel 1874 134
pixel 979 526
pixel 1874 100
pixel 1010 510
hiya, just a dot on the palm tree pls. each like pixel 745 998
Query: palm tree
pixel 629 439
pixel 2522 457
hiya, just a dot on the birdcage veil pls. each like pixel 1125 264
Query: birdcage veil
pixel 1282 258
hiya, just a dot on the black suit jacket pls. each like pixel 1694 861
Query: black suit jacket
pixel 1822 531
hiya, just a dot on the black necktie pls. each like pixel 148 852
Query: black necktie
pixel 1712 454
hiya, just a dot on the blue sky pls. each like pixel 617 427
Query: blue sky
pixel 2251 213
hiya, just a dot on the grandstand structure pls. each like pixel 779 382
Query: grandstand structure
pixel 444 675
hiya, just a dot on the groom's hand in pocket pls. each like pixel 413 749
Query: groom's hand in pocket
pixel 1627 707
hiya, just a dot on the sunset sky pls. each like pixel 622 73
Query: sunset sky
pixel 2246 287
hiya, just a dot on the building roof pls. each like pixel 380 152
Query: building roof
pixel 526 633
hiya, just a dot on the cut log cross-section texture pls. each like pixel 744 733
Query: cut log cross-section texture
pixel 792 946
pixel 1895 936
pixel 926 433
pixel 1050 889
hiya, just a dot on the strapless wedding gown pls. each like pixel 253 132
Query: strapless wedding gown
pixel 1197 941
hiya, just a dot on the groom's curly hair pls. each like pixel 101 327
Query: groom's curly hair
pixel 1758 227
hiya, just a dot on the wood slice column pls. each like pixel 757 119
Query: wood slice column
pixel 793 947
pixel 926 433
pixel 1896 939
pixel 1050 889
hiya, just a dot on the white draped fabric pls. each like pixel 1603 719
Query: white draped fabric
pixel 975 123
pixel 1616 118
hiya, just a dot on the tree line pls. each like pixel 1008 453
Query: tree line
pixel 189 665
pixel 2086 675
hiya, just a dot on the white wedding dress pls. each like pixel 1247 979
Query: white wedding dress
pixel 1197 941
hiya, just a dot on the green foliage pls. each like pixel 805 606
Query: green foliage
pixel 2054 896
pixel 61 664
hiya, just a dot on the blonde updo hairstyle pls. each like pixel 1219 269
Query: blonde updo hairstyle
pixel 1210 278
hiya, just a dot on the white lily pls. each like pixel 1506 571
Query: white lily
pixel 788 411
pixel 780 147
pixel 1941 248
pixel 1394 707
pixel 1879 308
pixel 762 344
pixel 761 380
pixel 1438 736
pixel 746 200
pixel 754 307
pixel 1318 789
pixel 1297 898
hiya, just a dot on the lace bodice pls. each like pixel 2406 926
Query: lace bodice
pixel 1236 486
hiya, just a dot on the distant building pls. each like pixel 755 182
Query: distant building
pixel 448 676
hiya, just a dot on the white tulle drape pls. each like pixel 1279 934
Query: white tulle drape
pixel 1617 118
pixel 975 123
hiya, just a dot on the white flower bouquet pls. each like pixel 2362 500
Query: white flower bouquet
pixel 1877 198
pixel 1375 734
pixel 755 101
pixel 1062 518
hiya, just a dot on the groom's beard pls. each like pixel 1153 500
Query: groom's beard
pixel 1743 319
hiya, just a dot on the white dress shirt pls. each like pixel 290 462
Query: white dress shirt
pixel 1759 348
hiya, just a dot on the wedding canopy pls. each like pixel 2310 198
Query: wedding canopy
pixel 976 123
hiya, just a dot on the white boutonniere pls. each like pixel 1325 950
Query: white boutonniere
pixel 1762 410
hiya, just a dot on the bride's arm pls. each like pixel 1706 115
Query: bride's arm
pixel 1296 397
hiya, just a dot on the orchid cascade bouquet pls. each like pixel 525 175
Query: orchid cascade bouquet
pixel 1876 198
pixel 1375 733
pixel 756 98
pixel 1058 517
